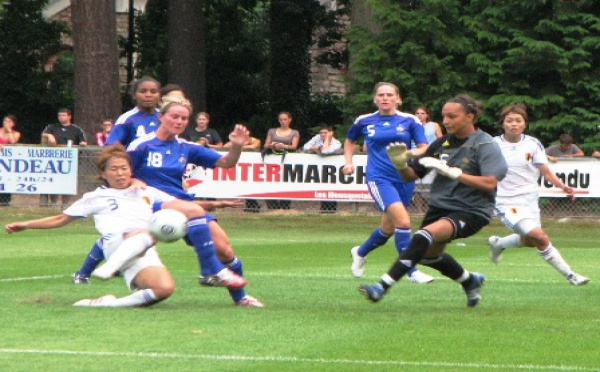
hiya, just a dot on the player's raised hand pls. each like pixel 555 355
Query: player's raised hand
pixel 442 167
pixel 399 155
pixel 239 135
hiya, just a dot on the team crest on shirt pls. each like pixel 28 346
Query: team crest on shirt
pixel 400 129
pixel 183 160
pixel 528 156
pixel 513 210
pixel 146 200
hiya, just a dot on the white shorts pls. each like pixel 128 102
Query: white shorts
pixel 520 214
pixel 136 264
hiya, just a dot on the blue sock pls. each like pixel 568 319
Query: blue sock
pixel 92 260
pixel 374 241
pixel 199 236
pixel 235 265
pixel 401 239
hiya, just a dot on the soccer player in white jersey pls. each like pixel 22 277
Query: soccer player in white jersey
pixel 518 193
pixel 121 216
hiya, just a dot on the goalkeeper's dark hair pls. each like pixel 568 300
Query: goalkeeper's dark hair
pixel 469 104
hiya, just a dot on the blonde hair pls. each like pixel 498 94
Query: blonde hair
pixel 171 100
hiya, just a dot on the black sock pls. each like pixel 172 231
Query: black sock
pixel 408 259
pixel 446 265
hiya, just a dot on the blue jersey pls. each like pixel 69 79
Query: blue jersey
pixel 381 130
pixel 161 164
pixel 131 125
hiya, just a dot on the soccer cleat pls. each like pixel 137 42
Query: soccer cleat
pixel 97 302
pixel 577 279
pixel 249 301
pixel 358 263
pixel 209 281
pixel 472 291
pixel 420 277
pixel 373 292
pixel 495 250
pixel 80 279
pixel 229 279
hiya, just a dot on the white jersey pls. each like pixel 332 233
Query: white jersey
pixel 523 159
pixel 117 211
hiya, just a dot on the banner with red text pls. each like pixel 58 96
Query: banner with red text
pixel 313 177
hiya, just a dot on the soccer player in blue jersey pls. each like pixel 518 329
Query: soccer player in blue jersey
pixel 160 158
pixel 469 165
pixel 391 194
pixel 143 118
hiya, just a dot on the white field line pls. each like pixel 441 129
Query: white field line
pixel 284 359
pixel 283 274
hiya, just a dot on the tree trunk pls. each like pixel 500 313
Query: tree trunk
pixel 97 94
pixel 186 55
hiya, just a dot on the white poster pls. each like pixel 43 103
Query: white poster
pixel 38 170
pixel 313 177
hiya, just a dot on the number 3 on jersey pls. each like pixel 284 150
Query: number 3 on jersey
pixel 155 159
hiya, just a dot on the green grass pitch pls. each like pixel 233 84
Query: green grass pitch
pixel 530 318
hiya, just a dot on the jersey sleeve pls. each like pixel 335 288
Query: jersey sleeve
pixel 539 156
pixel 84 207
pixel 120 134
pixel 417 133
pixel 355 131
pixel 202 156
pixel 491 160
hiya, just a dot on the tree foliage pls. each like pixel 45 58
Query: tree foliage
pixel 27 40
pixel 542 53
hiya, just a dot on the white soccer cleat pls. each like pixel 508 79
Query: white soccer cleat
pixel 103 301
pixel 420 277
pixel 358 263
pixel 229 279
pixel 577 279
pixel 249 301
pixel 495 249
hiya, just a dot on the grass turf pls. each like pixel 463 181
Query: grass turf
pixel 530 318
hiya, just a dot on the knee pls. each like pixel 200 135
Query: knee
pixel 164 290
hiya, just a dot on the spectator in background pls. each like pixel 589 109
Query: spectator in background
pixel 202 134
pixel 102 136
pixel 8 136
pixel 324 143
pixel 433 131
pixel 281 140
pixel 565 149
pixel 63 133
pixel 596 154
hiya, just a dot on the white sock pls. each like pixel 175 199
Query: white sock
pixel 510 241
pixel 130 248
pixel 140 298
pixel 464 276
pixel 553 257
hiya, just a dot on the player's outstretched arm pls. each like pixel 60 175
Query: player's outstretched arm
pixel 43 223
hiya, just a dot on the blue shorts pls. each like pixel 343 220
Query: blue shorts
pixel 386 193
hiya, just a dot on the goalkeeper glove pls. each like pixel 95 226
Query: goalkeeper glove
pixel 441 167
pixel 399 155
